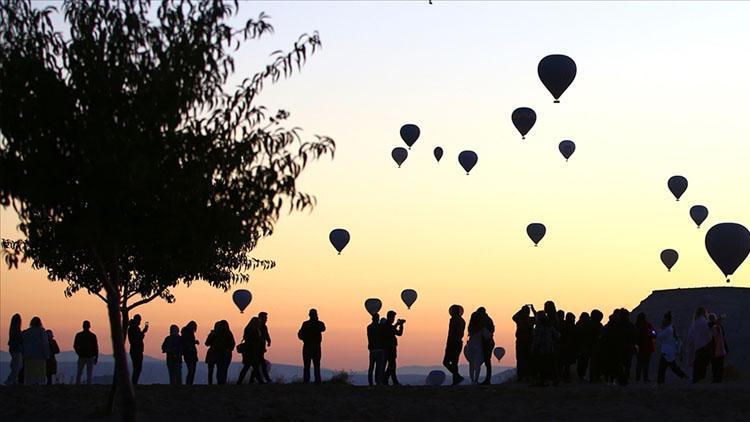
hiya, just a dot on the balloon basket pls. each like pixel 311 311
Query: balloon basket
pixel 557 101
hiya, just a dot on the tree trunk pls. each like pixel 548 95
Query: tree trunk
pixel 122 376
pixel 113 388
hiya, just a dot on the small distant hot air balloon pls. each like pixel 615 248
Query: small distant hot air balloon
pixel 410 134
pixel 669 258
pixel 499 352
pixel 435 378
pixel 242 299
pixel 698 213
pixel 557 72
pixel 438 152
pixel 536 232
pixel 409 296
pixel 523 119
pixel 728 244
pixel 567 148
pixel 339 239
pixel 399 155
pixel 373 305
pixel 677 185
pixel 467 159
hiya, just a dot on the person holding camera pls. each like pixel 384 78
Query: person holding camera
pixel 389 332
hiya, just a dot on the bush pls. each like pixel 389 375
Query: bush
pixel 341 377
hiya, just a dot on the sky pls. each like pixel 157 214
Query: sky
pixel 661 90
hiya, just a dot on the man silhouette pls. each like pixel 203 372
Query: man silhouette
pixel 86 347
pixel 135 337
pixel 375 347
pixel 524 337
pixel 390 329
pixel 266 338
pixel 454 343
pixel 311 334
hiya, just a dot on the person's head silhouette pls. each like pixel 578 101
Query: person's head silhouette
pixel 313 314
pixel 86 325
pixel 391 316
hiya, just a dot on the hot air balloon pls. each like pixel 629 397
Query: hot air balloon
pixel 567 148
pixel 467 159
pixel 523 119
pixel 409 296
pixel 499 352
pixel 698 213
pixel 399 155
pixel 728 244
pixel 435 378
pixel 438 153
pixel 677 185
pixel 669 258
pixel 410 134
pixel 242 299
pixel 536 232
pixel 339 239
pixel 557 72
pixel 373 305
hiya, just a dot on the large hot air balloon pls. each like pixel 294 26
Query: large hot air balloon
pixel 698 213
pixel 557 72
pixel 536 232
pixel 728 244
pixel 467 159
pixel 435 378
pixel 523 119
pixel 373 305
pixel 438 153
pixel 409 296
pixel 242 299
pixel 567 148
pixel 399 155
pixel 499 352
pixel 677 185
pixel 410 134
pixel 339 239
pixel 669 258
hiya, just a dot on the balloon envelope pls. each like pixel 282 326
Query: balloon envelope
pixel 523 119
pixel 499 352
pixel 373 305
pixel 435 378
pixel 669 258
pixel 536 232
pixel 467 159
pixel 698 213
pixel 339 239
pixel 567 148
pixel 410 134
pixel 557 72
pixel 242 299
pixel 677 185
pixel 438 153
pixel 409 296
pixel 399 155
pixel 728 244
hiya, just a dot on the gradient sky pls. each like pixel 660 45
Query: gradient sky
pixel 661 90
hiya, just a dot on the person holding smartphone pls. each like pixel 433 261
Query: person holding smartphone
pixel 135 337
pixel 390 332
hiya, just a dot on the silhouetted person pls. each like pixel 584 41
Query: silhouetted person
pixel 220 344
pixel 483 321
pixel 35 353
pixel 555 320
pixel 135 337
pixel 377 354
pixel 524 339
pixel 263 317
pixel 596 363
pixel 568 345
pixel 645 335
pixel 390 330
pixel 479 335
pixel 611 347
pixel 251 350
pixel 699 345
pixel 720 348
pixel 211 352
pixel 172 347
pixel 543 348
pixel 86 347
pixel 15 348
pixel 584 343
pixel 454 343
pixel 189 350
pixel 311 334
pixel 629 340
pixel 51 364
pixel 667 350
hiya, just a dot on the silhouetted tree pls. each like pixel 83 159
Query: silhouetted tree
pixel 132 169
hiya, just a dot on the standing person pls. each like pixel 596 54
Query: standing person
pixel 699 345
pixel 488 342
pixel 311 334
pixel 628 342
pixel 51 363
pixel 211 351
pixel 720 348
pixel 251 350
pixel 35 353
pixel 189 350
pixel 135 337
pixel 474 351
pixel 390 331
pixel 377 354
pixel 597 330
pixel 524 339
pixel 15 348
pixel 667 340
pixel 645 335
pixel 584 343
pixel 263 317
pixel 224 346
pixel 172 347
pixel 454 343
pixel 568 345
pixel 543 348
pixel 86 347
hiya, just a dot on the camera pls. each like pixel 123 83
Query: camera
pixel 400 321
